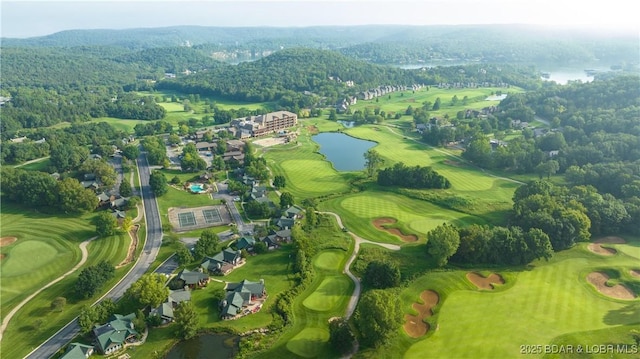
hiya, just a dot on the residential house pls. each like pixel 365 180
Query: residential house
pixel 271 241
pixel 242 295
pixel 245 243
pixel 118 202
pixel 285 223
pixel 193 279
pixel 294 212
pixel 283 235
pixel 165 310
pixel 78 351
pixel 206 146
pixel 115 334
pixel 223 262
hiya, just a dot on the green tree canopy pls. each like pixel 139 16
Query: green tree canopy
pixel 158 183
pixel 186 320
pixel 378 316
pixel 442 243
pixel 149 290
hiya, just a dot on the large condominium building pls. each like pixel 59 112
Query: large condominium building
pixel 260 125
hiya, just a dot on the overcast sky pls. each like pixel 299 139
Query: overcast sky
pixel 36 18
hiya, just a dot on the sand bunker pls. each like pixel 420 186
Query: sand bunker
pixel 485 283
pixel 5 241
pixel 382 223
pixel 618 291
pixel 414 325
pixel 635 272
pixel 597 248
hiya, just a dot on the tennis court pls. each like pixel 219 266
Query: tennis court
pixel 186 219
pixel 211 215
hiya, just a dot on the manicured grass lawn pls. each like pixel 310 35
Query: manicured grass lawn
pixel 35 322
pixel 42 252
pixel 121 124
pixel 414 216
pixel 543 304
pixel 307 173
pixel 325 297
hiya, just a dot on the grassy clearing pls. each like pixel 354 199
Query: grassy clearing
pixel 553 299
pixel 41 165
pixel 399 101
pixel 35 322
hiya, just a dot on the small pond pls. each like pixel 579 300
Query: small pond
pixel 206 346
pixel 345 152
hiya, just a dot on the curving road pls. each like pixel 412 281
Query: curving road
pixel 148 255
pixel 353 301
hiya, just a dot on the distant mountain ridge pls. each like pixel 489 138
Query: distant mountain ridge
pixel 385 44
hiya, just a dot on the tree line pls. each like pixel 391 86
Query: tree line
pixel 412 177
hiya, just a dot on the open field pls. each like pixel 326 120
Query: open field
pixel 399 101
pixel 179 198
pixel 546 303
pixel 35 321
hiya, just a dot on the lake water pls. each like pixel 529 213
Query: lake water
pixel 345 152
pixel 206 346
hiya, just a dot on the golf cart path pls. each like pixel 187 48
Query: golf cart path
pixel 85 255
pixel 356 291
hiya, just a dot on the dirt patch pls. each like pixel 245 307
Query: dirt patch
pixel 271 141
pixel 635 272
pixel 5 241
pixel 313 129
pixel 597 248
pixel 485 282
pixel 618 291
pixel 2 255
pixel 610 239
pixel 133 233
pixel 414 325
pixel 383 223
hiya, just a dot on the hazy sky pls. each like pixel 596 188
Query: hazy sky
pixel 36 18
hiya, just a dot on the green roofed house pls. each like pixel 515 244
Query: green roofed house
pixel 116 333
pixel 165 310
pixel 78 351
pixel 242 298
pixel 293 212
pixel 193 279
pixel 223 262
pixel 245 243
pixel 285 223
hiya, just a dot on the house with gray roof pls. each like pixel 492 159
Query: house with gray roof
pixel 115 334
pixel 166 310
pixel 223 262
pixel 193 279
pixel 241 295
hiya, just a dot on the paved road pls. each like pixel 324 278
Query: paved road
pixel 148 255
pixel 223 193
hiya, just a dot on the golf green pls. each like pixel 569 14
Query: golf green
pixel 329 260
pixel 330 293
